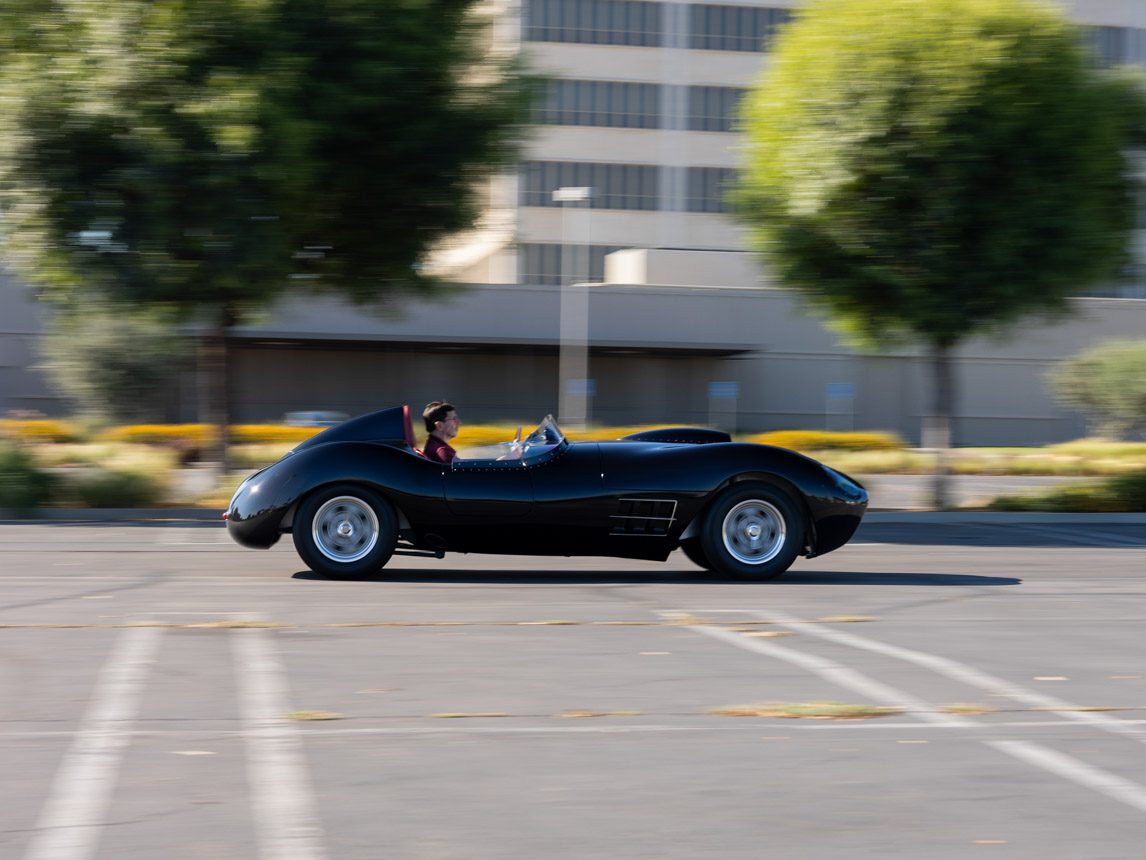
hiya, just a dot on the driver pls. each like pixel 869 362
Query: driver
pixel 442 424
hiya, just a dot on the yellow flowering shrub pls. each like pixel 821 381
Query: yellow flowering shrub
pixel 475 435
pixel 826 440
pixel 191 435
pixel 199 435
pixel 471 435
pixel 606 434
pixel 271 433
pixel 40 430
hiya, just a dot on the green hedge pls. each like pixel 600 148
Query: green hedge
pixel 23 486
pixel 1120 494
pixel 117 488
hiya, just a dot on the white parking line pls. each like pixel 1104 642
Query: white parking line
pixel 962 673
pixel 1099 780
pixel 1096 779
pixel 72 819
pixel 842 676
pixel 282 797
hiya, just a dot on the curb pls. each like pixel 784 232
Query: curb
pixel 215 515
pixel 111 515
pixel 1000 518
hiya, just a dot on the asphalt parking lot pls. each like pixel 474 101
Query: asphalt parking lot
pixel 168 694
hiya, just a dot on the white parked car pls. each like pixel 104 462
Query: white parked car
pixel 314 418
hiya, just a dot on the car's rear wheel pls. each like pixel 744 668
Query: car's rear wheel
pixel 752 531
pixel 345 532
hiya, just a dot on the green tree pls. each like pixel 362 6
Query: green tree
pixel 1108 384
pixel 205 155
pixel 119 366
pixel 928 170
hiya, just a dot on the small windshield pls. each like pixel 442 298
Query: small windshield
pixel 547 433
pixel 546 437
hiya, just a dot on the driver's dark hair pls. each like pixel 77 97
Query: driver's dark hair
pixel 435 412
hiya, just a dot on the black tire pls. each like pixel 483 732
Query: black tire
pixel 345 531
pixel 753 532
pixel 691 548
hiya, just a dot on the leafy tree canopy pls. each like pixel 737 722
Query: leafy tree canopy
pixel 119 366
pixel 924 169
pixel 1108 384
pixel 204 153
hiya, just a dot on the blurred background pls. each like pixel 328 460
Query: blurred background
pixel 224 216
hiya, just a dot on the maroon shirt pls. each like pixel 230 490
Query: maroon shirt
pixel 438 450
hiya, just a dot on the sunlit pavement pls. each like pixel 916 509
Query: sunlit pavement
pixel 168 694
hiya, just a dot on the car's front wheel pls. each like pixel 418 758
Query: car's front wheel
pixel 345 532
pixel 752 531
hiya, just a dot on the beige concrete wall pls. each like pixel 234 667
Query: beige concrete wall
pixel 683 268
pixel 654 357
pixel 1112 13
pixel 633 145
pixel 621 63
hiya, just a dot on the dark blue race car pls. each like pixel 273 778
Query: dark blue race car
pixel 359 492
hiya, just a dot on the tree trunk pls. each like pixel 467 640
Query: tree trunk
pixel 214 379
pixel 937 426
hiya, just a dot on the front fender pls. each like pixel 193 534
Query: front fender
pixel 703 471
pixel 254 514
pixel 261 508
pixel 406 479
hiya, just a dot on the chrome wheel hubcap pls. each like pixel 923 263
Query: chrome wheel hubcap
pixel 345 529
pixel 754 531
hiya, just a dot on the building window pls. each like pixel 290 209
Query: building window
pixel 706 189
pixel 594 22
pixel 613 104
pixel 733 28
pixel 713 108
pixel 540 262
pixel 616 186
pixel 1117 46
pixel 637 23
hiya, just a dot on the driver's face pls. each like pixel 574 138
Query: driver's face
pixel 449 425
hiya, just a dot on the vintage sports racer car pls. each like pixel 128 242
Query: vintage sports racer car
pixel 361 491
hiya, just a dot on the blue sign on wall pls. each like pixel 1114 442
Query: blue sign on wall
pixel 724 390
pixel 841 391
pixel 581 387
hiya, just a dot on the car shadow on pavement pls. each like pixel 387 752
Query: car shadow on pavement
pixel 528 577
pixel 837 577
pixel 668 577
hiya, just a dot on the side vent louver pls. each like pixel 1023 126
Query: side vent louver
pixel 643 517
